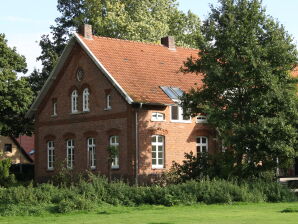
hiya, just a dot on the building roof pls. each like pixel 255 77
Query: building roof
pixel 141 68
pixel 27 144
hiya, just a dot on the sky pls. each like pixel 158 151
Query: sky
pixel 23 22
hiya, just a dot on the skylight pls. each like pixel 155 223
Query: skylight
pixel 174 93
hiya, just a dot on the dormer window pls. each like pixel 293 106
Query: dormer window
pixel 201 119
pixel 74 101
pixel 86 100
pixel 178 116
pixel 156 116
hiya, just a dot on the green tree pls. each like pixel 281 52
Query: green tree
pixel 143 20
pixel 248 91
pixel 15 93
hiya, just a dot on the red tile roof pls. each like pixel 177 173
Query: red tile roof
pixel 27 143
pixel 141 68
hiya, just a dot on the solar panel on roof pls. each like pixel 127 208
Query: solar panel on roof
pixel 172 92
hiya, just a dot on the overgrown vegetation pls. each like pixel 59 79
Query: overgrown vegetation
pixel 91 193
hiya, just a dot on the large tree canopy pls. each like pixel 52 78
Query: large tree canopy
pixel 15 94
pixel 142 20
pixel 248 91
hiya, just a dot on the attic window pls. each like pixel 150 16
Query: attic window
pixel 174 93
pixel 80 74
pixel 8 148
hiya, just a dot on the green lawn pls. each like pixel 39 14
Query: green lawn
pixel 222 214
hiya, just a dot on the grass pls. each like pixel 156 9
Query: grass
pixel 261 213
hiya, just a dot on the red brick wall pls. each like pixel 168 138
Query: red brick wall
pixel 104 123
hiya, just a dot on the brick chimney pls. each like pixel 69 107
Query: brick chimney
pixel 169 42
pixel 86 31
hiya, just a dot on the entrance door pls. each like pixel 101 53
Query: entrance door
pixel 296 167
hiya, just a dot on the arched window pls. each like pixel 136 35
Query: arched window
pixel 70 153
pixel 51 154
pixel 114 142
pixel 202 145
pixel 86 100
pixel 157 143
pixel 74 101
pixel 91 153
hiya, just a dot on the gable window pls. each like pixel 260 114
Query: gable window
pixel 158 116
pixel 91 153
pixel 108 102
pixel 86 100
pixel 157 143
pixel 70 153
pixel 7 147
pixel 201 119
pixel 202 145
pixel 51 154
pixel 177 114
pixel 54 112
pixel 74 101
pixel 114 142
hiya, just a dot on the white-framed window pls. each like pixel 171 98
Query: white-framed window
pixel 177 114
pixel 202 144
pixel 74 101
pixel 54 108
pixel 70 153
pixel 201 119
pixel 114 142
pixel 108 102
pixel 51 154
pixel 156 116
pixel 91 153
pixel 86 100
pixel 157 143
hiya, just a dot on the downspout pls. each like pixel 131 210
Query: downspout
pixel 137 146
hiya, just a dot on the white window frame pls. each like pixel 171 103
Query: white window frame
pixel 54 108
pixel 91 147
pixel 157 116
pixel 157 158
pixel 74 101
pixel 70 153
pixel 86 100
pixel 180 115
pixel 108 102
pixel 114 142
pixel 200 145
pixel 201 119
pixel 50 155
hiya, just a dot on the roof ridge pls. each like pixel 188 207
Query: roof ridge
pixel 138 41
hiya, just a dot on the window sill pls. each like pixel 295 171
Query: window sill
pixel 157 168
pixel 202 122
pixel 93 167
pixel 115 168
pixel 54 115
pixel 50 169
pixel 75 113
pixel 158 120
pixel 180 121
pixel 108 108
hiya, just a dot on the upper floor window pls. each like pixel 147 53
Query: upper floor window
pixel 70 153
pixel 177 114
pixel 202 144
pixel 51 154
pixel 201 119
pixel 114 142
pixel 158 116
pixel 157 143
pixel 74 101
pixel 54 112
pixel 86 100
pixel 91 152
pixel 108 102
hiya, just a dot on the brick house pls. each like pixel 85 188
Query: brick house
pixel 109 92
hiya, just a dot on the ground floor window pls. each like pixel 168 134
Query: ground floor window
pixel 114 142
pixel 70 153
pixel 51 154
pixel 202 144
pixel 91 153
pixel 157 143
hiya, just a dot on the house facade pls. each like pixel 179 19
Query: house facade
pixel 125 94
